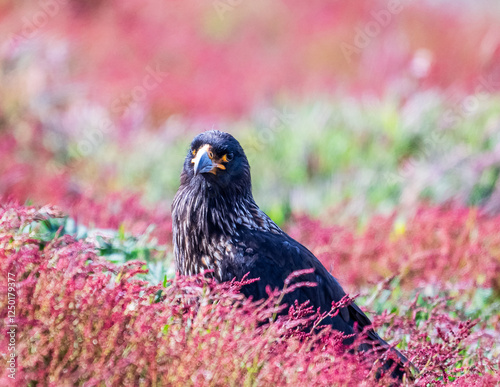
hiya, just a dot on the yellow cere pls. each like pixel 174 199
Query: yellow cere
pixel 207 149
pixel 199 153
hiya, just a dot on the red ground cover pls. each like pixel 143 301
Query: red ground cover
pixel 82 319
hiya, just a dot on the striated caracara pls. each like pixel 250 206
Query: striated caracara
pixel 218 226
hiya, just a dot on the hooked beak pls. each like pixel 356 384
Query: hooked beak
pixel 206 162
pixel 202 162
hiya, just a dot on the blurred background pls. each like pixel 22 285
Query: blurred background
pixel 373 133
pixel 345 109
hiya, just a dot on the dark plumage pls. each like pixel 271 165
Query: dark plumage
pixel 217 225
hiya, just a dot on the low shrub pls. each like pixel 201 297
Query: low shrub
pixel 82 320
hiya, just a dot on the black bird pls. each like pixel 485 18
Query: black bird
pixel 218 226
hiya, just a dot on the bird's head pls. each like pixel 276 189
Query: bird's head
pixel 217 161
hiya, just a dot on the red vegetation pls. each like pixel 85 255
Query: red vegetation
pixel 126 211
pixel 81 319
pixel 224 58
pixel 434 246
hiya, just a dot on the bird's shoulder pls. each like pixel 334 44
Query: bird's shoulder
pixel 275 253
pixel 272 257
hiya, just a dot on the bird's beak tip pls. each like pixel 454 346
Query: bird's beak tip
pixel 202 164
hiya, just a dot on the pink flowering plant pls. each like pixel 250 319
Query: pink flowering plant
pixel 82 319
pixel 381 118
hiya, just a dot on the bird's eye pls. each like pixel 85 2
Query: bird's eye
pixel 227 157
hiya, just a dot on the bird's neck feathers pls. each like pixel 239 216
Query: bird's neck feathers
pixel 201 218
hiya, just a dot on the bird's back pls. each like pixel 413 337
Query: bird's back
pixel 272 258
